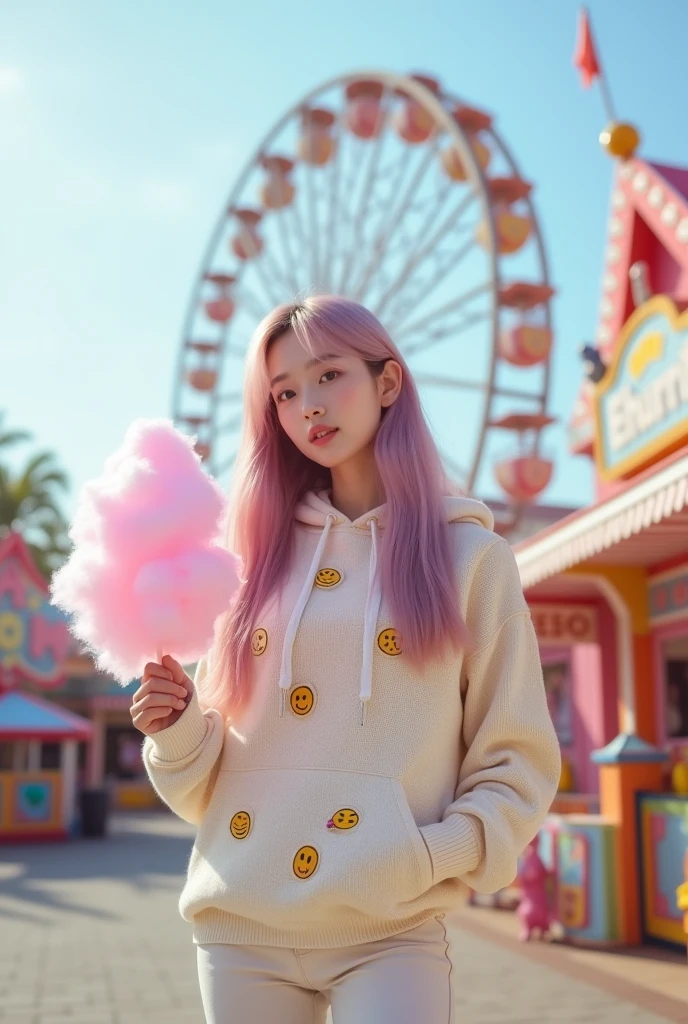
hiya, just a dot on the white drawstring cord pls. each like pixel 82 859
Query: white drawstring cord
pixel 370 622
pixel 295 619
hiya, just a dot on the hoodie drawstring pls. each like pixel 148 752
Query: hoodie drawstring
pixel 370 621
pixel 372 610
pixel 295 619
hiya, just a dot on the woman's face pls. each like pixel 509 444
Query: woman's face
pixel 336 395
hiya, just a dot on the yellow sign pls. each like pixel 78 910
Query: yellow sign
pixel 641 404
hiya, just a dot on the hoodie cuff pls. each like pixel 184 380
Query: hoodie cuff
pixel 178 741
pixel 453 846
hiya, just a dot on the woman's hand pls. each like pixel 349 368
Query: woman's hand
pixel 162 697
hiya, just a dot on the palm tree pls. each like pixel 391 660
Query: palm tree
pixel 28 504
pixel 10 437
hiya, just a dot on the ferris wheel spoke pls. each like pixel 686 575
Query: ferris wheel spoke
pixel 251 302
pixel 276 275
pixel 346 216
pixel 454 383
pixel 411 297
pixel 253 254
pixel 437 334
pixel 258 265
pixel 385 226
pixel 285 242
pixel 450 307
pixel 460 384
pixel 415 261
pixel 366 195
pixel 419 288
pixel 312 214
pixel 331 233
pixel 298 225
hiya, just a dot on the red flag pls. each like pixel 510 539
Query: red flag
pixel 585 57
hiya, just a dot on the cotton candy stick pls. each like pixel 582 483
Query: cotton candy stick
pixel 148 574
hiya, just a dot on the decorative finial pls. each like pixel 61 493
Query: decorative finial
pixel 620 140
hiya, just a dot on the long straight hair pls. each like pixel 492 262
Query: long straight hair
pixel 271 476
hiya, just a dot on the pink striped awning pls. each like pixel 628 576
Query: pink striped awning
pixel 645 524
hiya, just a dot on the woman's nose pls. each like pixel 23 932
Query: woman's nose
pixel 312 408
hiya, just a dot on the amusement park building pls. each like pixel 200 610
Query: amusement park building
pixel 608 587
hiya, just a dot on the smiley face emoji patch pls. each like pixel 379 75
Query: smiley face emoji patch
pixel 344 819
pixel 327 579
pixel 259 641
pixel 389 642
pixel 240 825
pixel 305 862
pixel 302 700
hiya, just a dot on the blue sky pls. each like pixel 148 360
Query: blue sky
pixel 123 127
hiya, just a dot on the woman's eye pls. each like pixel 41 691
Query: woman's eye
pixel 330 374
pixel 281 395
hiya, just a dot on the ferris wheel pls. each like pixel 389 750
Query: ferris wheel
pixel 390 190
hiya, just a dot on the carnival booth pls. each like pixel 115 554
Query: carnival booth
pixel 611 582
pixel 38 768
pixel 39 741
pixel 113 759
pixel 39 658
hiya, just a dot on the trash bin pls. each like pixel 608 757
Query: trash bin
pixel 94 805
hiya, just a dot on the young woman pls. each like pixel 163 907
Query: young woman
pixel 370 732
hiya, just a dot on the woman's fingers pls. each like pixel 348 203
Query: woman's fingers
pixel 158 685
pixel 177 672
pixel 155 671
pixel 164 691
pixel 154 700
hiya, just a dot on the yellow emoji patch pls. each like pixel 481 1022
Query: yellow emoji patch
pixel 259 641
pixel 305 862
pixel 301 700
pixel 240 825
pixel 388 642
pixel 326 579
pixel 344 819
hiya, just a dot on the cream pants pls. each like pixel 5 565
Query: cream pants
pixel 405 979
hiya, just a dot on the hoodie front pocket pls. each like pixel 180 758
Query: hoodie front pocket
pixel 321 843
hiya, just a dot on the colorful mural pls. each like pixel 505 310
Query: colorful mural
pixel 30 804
pixel 586 903
pixel 34 800
pixel 34 637
pixel 663 826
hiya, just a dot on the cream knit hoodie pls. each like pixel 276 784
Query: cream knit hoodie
pixel 366 793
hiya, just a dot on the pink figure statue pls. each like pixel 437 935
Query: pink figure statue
pixel 533 910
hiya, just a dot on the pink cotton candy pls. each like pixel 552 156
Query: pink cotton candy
pixel 148 572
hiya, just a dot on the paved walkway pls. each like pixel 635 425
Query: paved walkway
pixel 90 934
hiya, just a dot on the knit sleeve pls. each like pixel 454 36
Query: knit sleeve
pixel 182 761
pixel 511 765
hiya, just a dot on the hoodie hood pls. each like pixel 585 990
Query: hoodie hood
pixel 317 510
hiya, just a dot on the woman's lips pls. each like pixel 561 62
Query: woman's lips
pixel 326 438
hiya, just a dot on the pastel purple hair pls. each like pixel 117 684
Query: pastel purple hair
pixel 271 476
